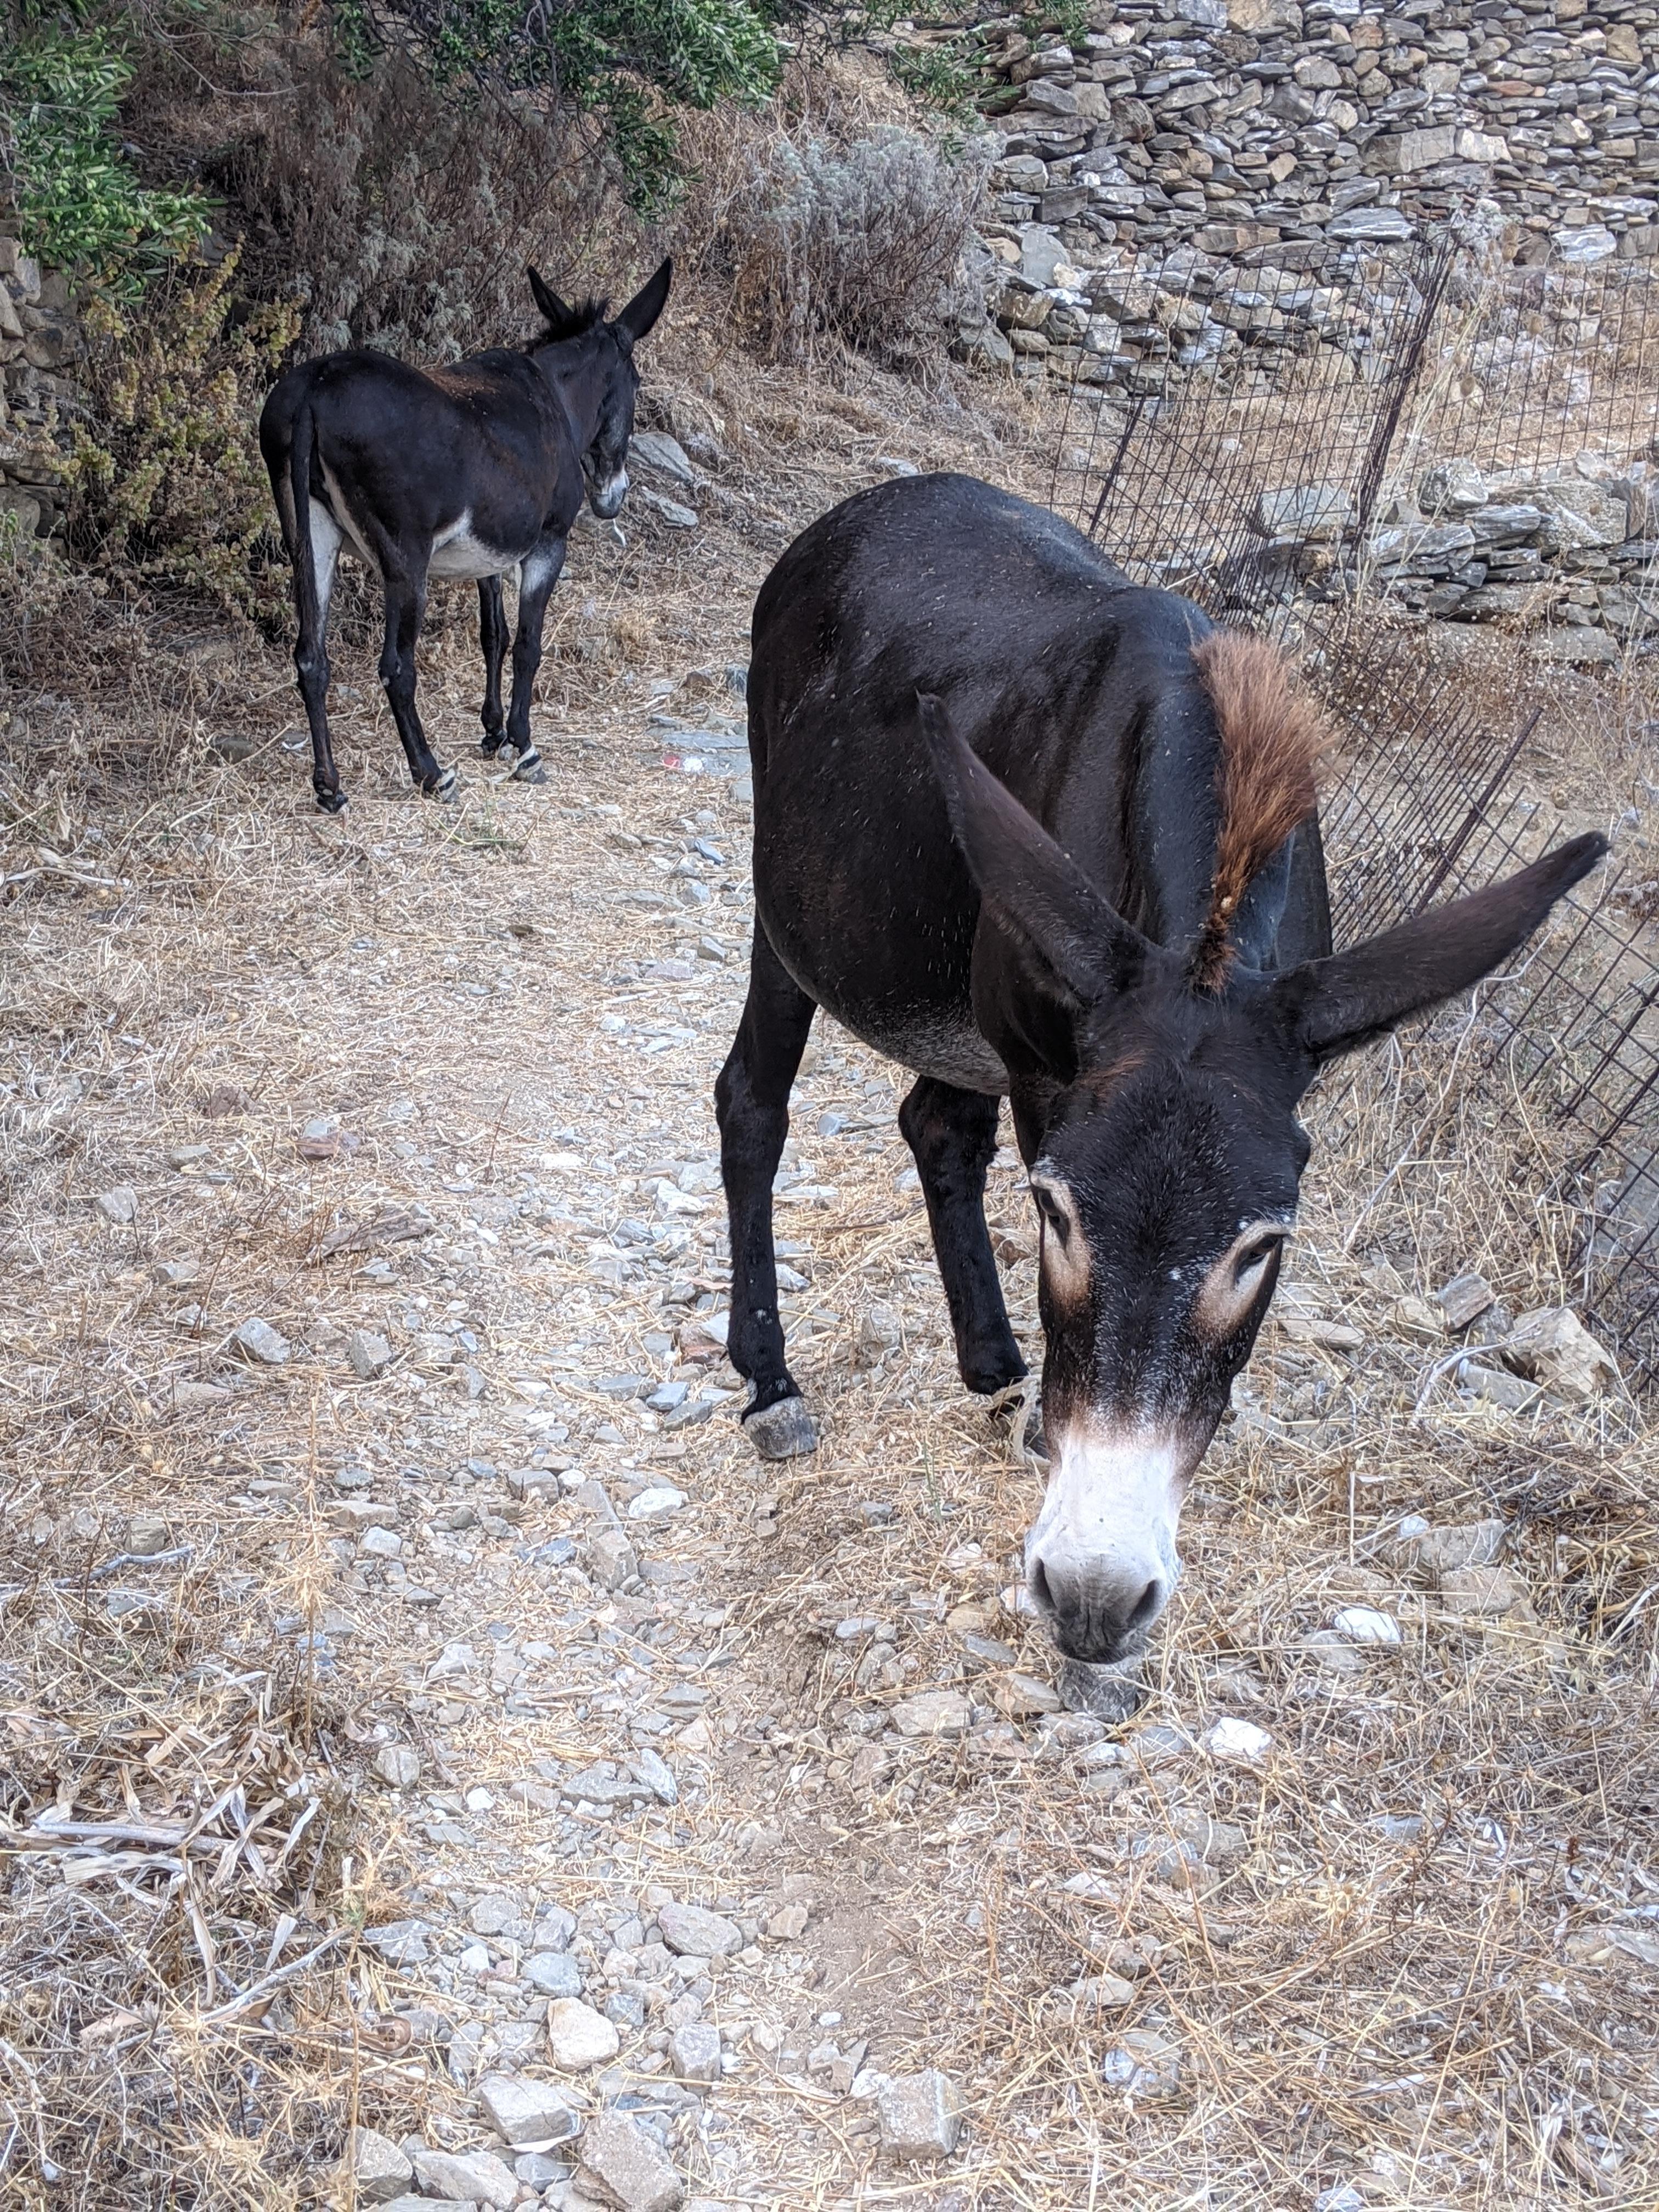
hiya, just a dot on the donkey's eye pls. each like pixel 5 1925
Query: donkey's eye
pixel 1255 1257
pixel 1054 1213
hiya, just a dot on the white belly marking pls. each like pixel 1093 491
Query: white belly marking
pixel 457 552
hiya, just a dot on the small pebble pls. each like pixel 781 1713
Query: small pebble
pixel 1361 1625
pixel 1239 1741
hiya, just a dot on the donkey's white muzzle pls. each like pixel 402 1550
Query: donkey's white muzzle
pixel 605 499
pixel 1101 1561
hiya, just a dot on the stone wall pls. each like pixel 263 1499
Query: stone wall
pixel 1570 552
pixel 1213 129
pixel 39 337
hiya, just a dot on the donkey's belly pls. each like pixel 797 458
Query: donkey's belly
pixel 935 1037
pixel 457 551
pixel 930 1043
pixel 949 1053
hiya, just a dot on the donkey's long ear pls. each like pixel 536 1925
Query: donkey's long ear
pixel 1033 889
pixel 1338 1003
pixel 552 307
pixel 637 317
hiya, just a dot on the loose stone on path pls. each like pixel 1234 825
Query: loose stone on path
pixel 528 2115
pixel 374 2167
pixel 628 2165
pixel 921 2115
pixel 474 2177
pixel 579 2036
pixel 694 2053
pixel 694 1933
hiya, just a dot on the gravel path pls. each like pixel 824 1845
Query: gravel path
pixel 712 1830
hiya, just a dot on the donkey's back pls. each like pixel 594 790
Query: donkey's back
pixel 1077 687
pixel 399 455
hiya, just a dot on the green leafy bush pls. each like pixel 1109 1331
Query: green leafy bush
pixel 630 59
pixel 80 205
pixel 949 77
pixel 168 484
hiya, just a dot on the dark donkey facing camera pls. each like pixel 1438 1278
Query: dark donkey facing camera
pixel 464 471
pixel 1037 833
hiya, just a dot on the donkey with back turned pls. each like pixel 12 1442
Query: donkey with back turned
pixel 465 471
pixel 1037 833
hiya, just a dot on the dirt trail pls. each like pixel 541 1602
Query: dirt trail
pixel 429 1094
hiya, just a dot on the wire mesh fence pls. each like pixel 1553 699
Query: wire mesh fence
pixel 1195 483
pixel 1564 1046
pixel 1252 481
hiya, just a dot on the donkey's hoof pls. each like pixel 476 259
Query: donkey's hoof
pixel 783 1431
pixel 445 787
pixel 529 769
pixel 333 802
pixel 1110 1693
pixel 489 747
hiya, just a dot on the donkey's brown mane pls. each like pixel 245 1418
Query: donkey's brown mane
pixel 1270 739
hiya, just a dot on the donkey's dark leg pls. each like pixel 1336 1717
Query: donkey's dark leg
pixel 492 639
pixel 537 577
pixel 751 1099
pixel 310 655
pixel 405 604
pixel 953 1135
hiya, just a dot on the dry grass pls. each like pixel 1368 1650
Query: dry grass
pixel 1456 2011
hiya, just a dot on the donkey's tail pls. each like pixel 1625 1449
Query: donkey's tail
pixel 300 449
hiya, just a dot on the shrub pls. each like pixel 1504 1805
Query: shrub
pixel 949 77
pixel 168 483
pixel 858 247
pixel 401 222
pixel 625 58
pixel 80 205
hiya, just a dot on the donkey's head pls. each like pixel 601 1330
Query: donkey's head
pixel 1166 1081
pixel 599 380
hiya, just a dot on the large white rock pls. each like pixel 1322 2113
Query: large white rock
pixel 1240 1742
pixel 1362 1624
pixel 579 2036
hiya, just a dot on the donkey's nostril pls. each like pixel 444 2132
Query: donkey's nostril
pixel 1147 1606
pixel 1040 1590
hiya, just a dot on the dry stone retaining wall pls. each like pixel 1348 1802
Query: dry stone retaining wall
pixel 1217 131
pixel 1574 551
pixel 39 337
